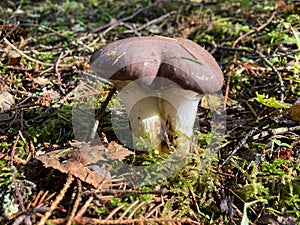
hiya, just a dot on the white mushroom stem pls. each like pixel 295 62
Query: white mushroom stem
pixel 159 116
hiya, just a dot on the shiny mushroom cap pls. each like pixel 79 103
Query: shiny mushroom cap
pixel 177 59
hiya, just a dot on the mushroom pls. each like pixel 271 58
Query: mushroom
pixel 160 82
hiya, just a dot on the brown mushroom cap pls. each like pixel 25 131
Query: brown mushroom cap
pixel 179 59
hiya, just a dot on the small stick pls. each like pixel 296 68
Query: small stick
pixel 227 91
pixel 30 58
pixel 10 32
pixel 254 30
pixel 135 209
pixel 76 203
pixel 145 221
pixel 117 22
pixel 128 209
pixel 193 197
pixel 136 192
pixel 101 112
pixel 242 143
pixel 223 174
pixel 251 109
pixel 155 209
pixel 57 200
pixel 113 212
pixel 56 66
pixel 13 174
pixel 83 209
pixel 157 20
pixel 281 84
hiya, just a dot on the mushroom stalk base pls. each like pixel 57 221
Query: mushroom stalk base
pixel 158 121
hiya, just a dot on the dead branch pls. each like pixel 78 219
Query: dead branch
pixel 254 30
pixel 30 58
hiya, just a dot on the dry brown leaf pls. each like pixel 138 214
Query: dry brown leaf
pixel 295 112
pixel 7 100
pixel 48 96
pixel 13 58
pixel 117 151
pixel 75 161
pixel 42 81
pixel 92 152
pixel 69 162
pixel 285 153
pixel 96 150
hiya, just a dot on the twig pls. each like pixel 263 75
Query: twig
pixel 10 32
pixel 254 30
pixel 251 109
pixel 135 209
pixel 34 202
pixel 227 91
pixel 143 221
pixel 241 144
pixel 242 200
pixel 21 218
pixel 223 174
pixel 16 159
pixel 46 70
pixel 117 22
pixel 128 209
pixel 193 198
pixel 83 209
pixel 113 212
pixel 19 107
pixel 157 20
pixel 76 203
pixel 30 58
pixel 57 200
pixel 13 174
pixel 101 112
pixel 102 80
pixel 281 84
pixel 155 209
pixel 56 66
pixel 276 131
pixel 22 120
pixel 133 192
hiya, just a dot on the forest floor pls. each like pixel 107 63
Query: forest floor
pixel 249 176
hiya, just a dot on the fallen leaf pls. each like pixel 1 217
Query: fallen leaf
pixel 69 162
pixel 89 154
pixel 92 152
pixel 117 151
pixel 6 101
pixel 96 150
pixel 104 139
pixel 285 153
pixel 42 81
pixel 13 58
pixel 295 112
pixel 47 97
